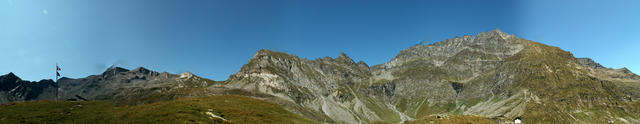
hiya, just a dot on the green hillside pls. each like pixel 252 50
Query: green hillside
pixel 234 109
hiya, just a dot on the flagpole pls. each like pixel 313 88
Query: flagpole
pixel 56 72
pixel 56 81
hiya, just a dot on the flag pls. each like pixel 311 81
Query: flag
pixel 58 69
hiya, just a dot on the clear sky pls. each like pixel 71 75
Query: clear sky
pixel 214 38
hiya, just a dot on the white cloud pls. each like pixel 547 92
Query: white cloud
pixel 44 11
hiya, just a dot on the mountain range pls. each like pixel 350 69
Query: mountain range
pixel 492 76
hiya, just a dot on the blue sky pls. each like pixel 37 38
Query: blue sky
pixel 214 38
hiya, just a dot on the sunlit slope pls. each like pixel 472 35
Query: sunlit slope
pixel 211 109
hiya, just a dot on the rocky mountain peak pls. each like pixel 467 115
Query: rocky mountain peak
pixel 345 58
pixel 625 70
pixel 8 81
pixel 489 46
pixel 141 70
pixel 495 32
pixel 262 52
pixel 269 55
pixel 9 76
pixel 186 75
pixel 114 70
pixel 498 31
pixel 363 64
pixel 589 63
pixel 266 52
pixel 343 55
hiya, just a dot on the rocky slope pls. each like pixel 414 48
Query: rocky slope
pixel 119 84
pixel 493 74
pixel 332 87
pixel 135 86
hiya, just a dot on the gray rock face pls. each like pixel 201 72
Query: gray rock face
pixel 493 74
pixel 326 85
pixel 434 72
